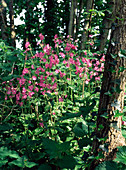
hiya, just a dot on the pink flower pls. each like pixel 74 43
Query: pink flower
pixel 5 97
pixel 57 71
pixel 87 81
pixel 30 87
pixel 9 92
pixel 41 125
pixel 32 66
pixel 103 58
pixel 66 96
pixel 23 90
pixel 60 99
pixel 124 123
pixel 62 74
pixel 37 71
pixel 27 44
pixel 24 96
pixel 18 96
pixel 21 103
pixel 46 65
pixel 85 53
pixel 29 82
pixel 25 71
pixel 36 89
pixel 41 36
pixel 90 36
pixel 67 65
pixel 97 78
pixel 30 94
pixel 64 62
pixel 62 55
pixel 14 90
pixel 34 77
pixel 53 113
pixel 67 48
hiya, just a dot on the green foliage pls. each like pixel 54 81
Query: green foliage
pixel 121 155
pixel 19 161
pixel 107 165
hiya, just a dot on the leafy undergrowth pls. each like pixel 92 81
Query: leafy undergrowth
pixel 49 102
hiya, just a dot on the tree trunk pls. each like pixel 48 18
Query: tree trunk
pixel 107 24
pixel 12 28
pixel 81 6
pixel 3 19
pixel 71 22
pixel 86 24
pixel 112 91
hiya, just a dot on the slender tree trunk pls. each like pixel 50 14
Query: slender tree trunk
pixel 12 28
pixel 66 17
pixel 3 19
pixel 81 6
pixel 86 24
pixel 75 19
pixel 112 91
pixel 71 22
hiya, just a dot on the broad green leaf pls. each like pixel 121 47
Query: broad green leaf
pixel 121 155
pixel 107 165
pixel 44 167
pixel 67 162
pixel 80 129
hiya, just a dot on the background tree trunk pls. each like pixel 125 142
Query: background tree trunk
pixel 12 28
pixel 113 88
pixel 86 24
pixel 71 22
pixel 3 19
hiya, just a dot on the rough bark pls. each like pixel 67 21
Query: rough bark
pixel 114 83
pixel 107 23
pixel 12 28
pixel 86 24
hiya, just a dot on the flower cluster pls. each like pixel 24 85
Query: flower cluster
pixel 49 70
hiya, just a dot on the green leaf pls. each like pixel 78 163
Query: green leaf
pixel 4 152
pixel 55 149
pixel 121 55
pixel 86 109
pixel 105 115
pixel 71 115
pixel 117 113
pixel 80 129
pixel 121 155
pixel 44 167
pixel 67 162
pixel 3 162
pixel 23 162
pixel 84 142
pixel 108 93
pixel 107 165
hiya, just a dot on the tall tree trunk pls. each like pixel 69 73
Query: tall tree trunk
pixel 66 17
pixel 75 19
pixel 113 88
pixel 86 24
pixel 107 24
pixel 12 28
pixel 81 6
pixel 71 22
pixel 3 19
